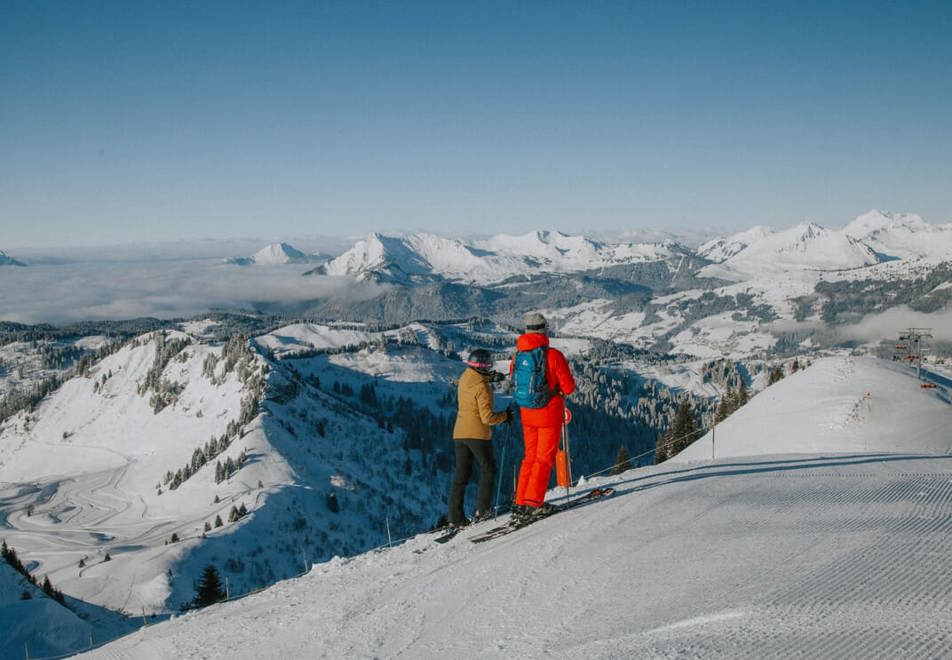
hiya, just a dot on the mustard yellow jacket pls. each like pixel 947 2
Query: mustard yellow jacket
pixel 475 414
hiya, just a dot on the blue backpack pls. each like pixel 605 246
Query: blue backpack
pixel 531 389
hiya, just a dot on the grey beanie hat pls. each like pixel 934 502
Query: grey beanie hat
pixel 535 322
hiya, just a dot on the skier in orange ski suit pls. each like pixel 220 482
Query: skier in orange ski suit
pixel 541 427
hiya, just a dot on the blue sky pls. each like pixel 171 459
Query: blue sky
pixel 145 121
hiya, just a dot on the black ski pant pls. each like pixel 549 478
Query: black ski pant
pixel 466 451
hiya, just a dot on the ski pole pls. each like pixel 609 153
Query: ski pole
pixel 502 464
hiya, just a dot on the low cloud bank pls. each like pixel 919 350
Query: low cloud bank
pixel 888 324
pixel 163 289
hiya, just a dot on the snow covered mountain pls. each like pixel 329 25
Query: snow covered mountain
pixel 420 258
pixel 555 251
pixel 276 254
pixel 754 253
pixel 7 260
pixel 901 235
pixel 806 246
pixel 788 551
pixel 721 249
pixel 171 453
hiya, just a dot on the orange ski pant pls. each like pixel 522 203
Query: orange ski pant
pixel 541 445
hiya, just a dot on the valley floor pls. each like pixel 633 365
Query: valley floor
pixel 846 555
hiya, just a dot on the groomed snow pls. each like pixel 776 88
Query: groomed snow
pixel 774 555
pixel 841 404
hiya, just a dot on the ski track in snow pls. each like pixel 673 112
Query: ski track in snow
pixel 753 558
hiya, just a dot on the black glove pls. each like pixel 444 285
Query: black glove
pixel 510 413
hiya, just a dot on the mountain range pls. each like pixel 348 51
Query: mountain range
pixel 870 239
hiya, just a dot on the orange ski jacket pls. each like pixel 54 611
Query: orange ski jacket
pixel 558 376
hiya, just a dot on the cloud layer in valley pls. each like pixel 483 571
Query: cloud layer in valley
pixel 888 324
pixel 163 289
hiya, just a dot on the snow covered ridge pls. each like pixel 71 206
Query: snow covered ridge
pixel 419 257
pixel 782 546
pixel 901 235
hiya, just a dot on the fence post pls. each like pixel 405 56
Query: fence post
pixel 713 431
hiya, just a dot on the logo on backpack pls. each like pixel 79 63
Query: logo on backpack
pixel 528 376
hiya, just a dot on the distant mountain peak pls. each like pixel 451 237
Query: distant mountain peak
pixel 901 235
pixel 275 254
pixel 7 260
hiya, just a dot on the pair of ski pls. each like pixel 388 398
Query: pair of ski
pixel 512 526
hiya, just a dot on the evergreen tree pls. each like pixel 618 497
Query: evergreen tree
pixel 742 396
pixel 661 451
pixel 683 430
pixel 795 367
pixel 622 460
pixel 726 406
pixel 218 522
pixel 776 374
pixel 209 588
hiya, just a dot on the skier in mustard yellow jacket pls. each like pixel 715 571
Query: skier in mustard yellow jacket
pixel 472 436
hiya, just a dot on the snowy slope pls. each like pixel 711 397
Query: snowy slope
pixel 774 555
pixel 41 624
pixel 299 337
pixel 805 246
pixel 841 404
pixel 721 249
pixel 89 460
pixel 901 235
